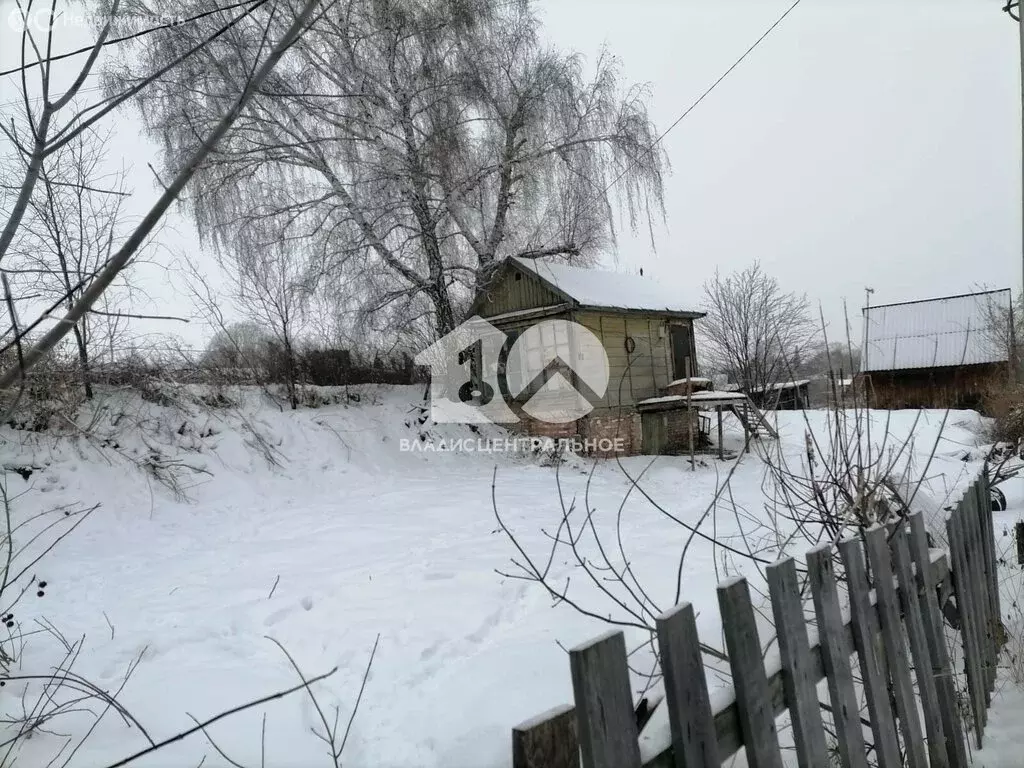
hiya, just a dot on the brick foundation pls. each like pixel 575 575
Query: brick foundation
pixel 535 427
pixel 600 431
pixel 667 431
pixel 609 426
pixel 604 430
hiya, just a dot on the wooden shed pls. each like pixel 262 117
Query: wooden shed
pixel 936 353
pixel 784 396
pixel 644 326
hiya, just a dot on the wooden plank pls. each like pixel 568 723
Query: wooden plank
pixel 686 690
pixel 976 553
pixel 1018 534
pixel 965 607
pixel 650 345
pixel 873 672
pixel 897 660
pixel 976 582
pixel 727 728
pixel 604 704
pixel 630 360
pixel 798 680
pixel 721 442
pixel 910 602
pixel 549 740
pixel 689 417
pixel 988 532
pixel 935 634
pixel 835 655
pixel 983 520
pixel 753 702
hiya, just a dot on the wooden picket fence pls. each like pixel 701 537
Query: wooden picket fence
pixel 898 599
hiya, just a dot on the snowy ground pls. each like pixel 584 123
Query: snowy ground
pixel 353 537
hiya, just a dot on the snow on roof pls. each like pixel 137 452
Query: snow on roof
pixel 785 385
pixel 691 380
pixel 662 399
pixel 933 333
pixel 696 397
pixel 715 395
pixel 614 290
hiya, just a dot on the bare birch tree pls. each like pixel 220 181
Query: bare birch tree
pixel 269 287
pixel 58 121
pixel 753 328
pixel 69 233
pixel 1002 320
pixel 411 147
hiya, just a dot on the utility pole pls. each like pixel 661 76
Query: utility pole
pixel 864 329
pixel 1012 7
pixel 1020 28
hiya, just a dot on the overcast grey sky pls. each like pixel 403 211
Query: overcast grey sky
pixel 864 143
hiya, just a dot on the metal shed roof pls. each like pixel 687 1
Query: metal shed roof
pixel 933 333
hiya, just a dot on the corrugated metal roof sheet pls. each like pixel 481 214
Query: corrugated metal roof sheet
pixel 614 290
pixel 933 333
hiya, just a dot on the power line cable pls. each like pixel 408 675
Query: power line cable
pixel 124 38
pixel 601 196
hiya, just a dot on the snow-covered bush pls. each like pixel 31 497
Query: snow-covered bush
pixel 1006 407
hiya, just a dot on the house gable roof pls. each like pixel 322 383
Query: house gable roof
pixel 597 289
pixel 933 333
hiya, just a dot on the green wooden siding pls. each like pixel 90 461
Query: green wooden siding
pixel 510 295
pixel 635 375
pixel 641 372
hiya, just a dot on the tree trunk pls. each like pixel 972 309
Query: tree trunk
pixel 290 371
pixel 444 315
pixel 83 362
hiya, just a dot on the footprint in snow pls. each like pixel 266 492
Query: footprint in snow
pixel 283 613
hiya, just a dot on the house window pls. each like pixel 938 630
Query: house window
pixel 534 352
pixel 501 365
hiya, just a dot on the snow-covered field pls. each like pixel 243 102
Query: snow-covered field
pixel 346 539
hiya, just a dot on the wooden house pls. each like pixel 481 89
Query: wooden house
pixel 935 353
pixel 784 396
pixel 647 333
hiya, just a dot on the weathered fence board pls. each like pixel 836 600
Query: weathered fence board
pixel 969 630
pixel 988 539
pixel 902 620
pixel 547 741
pixel 942 670
pixel 913 620
pixel 686 690
pixel 727 728
pixel 874 676
pixel 876 544
pixel 604 703
pixel 756 714
pixel 798 679
pixel 977 571
pixel 836 649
